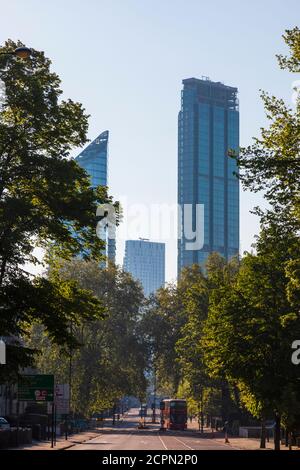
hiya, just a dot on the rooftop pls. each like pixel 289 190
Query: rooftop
pixel 207 82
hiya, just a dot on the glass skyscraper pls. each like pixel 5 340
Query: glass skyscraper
pixel 94 159
pixel 208 127
pixel 145 261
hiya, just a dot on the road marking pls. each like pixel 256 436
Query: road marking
pixel 183 443
pixel 162 442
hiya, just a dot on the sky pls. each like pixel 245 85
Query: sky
pixel 125 61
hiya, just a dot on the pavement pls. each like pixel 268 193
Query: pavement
pixel 241 443
pixel 125 435
pixel 74 439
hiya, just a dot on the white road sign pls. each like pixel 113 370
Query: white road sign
pixel 62 398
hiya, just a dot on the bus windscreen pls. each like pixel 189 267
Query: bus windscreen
pixel 177 404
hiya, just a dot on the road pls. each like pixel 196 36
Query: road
pixel 127 437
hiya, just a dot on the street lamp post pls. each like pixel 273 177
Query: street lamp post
pixel 154 400
pixel 201 411
pixel 21 52
pixel 199 390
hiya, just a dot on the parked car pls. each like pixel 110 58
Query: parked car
pixel 4 424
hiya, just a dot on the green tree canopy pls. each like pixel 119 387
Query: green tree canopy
pixel 112 359
pixel 46 199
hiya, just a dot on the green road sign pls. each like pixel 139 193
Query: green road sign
pixel 36 388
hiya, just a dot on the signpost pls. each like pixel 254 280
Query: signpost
pixel 62 402
pixel 52 424
pixel 2 352
pixel 62 398
pixel 36 388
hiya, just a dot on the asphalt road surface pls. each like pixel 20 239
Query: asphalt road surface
pixel 126 436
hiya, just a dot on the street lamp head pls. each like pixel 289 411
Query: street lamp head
pixel 22 52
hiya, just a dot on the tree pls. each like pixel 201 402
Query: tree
pixel 45 197
pixel 248 333
pixel 193 290
pixel 112 358
pixel 174 325
pixel 161 324
pixel 272 164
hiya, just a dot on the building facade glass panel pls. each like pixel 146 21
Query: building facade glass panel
pixel 145 261
pixel 94 159
pixel 208 127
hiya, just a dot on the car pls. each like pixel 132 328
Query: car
pixel 4 425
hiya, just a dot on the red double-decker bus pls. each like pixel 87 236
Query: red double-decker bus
pixel 173 414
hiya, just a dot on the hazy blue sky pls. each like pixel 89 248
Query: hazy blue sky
pixel 125 60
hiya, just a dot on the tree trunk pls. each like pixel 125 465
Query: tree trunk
pixel 290 440
pixel 201 410
pixel 263 434
pixel 277 433
pixel 114 415
pixel 286 438
pixel 225 399
pixel 202 422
